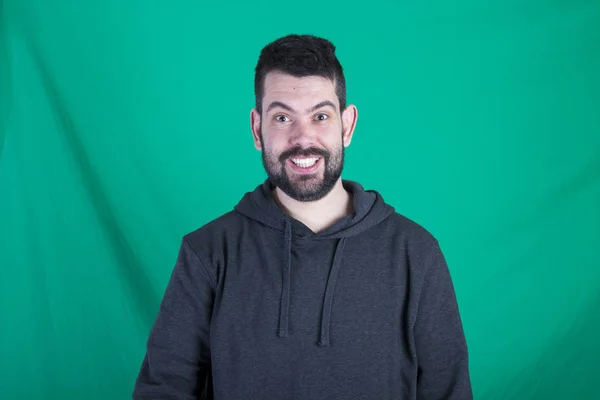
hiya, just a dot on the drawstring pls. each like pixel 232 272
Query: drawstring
pixel 284 305
pixel 285 290
pixel 333 274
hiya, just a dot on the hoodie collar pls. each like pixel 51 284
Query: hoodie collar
pixel 369 210
pixel 260 206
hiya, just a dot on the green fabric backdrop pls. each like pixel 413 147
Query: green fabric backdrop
pixel 124 125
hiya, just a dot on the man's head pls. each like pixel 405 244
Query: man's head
pixel 301 122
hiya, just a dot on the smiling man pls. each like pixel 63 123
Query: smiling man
pixel 311 287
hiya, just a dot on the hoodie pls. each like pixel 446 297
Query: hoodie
pixel 260 307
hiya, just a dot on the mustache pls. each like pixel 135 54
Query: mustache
pixel 298 151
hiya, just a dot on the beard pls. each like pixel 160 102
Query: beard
pixel 309 187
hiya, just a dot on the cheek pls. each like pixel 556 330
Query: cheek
pixel 332 136
pixel 273 144
pixel 275 137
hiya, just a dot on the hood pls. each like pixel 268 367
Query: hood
pixel 369 210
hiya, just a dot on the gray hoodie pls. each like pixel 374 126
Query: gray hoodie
pixel 260 307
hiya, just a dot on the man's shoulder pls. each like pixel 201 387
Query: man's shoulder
pixel 409 230
pixel 418 244
pixel 223 224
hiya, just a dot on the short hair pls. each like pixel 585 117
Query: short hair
pixel 300 56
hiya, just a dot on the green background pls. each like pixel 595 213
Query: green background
pixel 125 125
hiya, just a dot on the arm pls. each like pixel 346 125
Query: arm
pixel 177 360
pixel 442 355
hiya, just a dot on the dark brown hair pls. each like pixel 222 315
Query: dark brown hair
pixel 300 56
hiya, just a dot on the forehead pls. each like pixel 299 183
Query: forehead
pixel 281 86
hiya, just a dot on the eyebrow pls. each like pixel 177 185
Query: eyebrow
pixel 290 109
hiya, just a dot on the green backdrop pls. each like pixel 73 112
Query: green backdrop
pixel 125 125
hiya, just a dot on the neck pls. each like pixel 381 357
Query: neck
pixel 320 214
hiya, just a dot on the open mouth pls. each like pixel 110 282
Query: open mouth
pixel 304 164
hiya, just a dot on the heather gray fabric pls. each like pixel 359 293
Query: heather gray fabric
pixel 260 307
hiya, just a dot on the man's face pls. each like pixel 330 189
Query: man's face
pixel 300 134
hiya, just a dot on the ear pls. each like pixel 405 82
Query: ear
pixel 255 127
pixel 349 118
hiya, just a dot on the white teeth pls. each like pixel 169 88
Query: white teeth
pixel 304 162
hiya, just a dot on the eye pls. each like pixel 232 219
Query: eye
pixel 322 117
pixel 281 118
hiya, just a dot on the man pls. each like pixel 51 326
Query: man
pixel 312 287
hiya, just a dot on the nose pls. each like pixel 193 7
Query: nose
pixel 303 136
